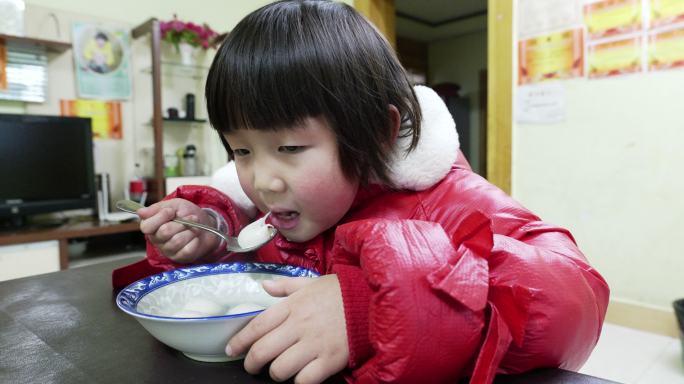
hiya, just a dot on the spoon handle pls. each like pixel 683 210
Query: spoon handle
pixel 201 226
pixel 131 207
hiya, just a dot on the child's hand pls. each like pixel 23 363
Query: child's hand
pixel 305 333
pixel 174 240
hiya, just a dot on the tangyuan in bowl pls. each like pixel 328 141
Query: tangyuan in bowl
pixel 197 309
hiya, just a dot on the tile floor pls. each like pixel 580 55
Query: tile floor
pixel 630 356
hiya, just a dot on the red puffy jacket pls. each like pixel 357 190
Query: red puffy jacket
pixel 453 280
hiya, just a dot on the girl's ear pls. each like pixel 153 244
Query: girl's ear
pixel 394 122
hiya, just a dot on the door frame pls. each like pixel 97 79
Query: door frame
pixel 499 105
pixel 499 92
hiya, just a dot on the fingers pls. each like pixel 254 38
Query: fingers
pixel 268 348
pixel 174 240
pixel 182 247
pixel 147 212
pixel 154 222
pixel 285 286
pixel 316 371
pixel 291 361
pixel 257 328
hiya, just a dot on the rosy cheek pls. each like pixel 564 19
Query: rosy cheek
pixel 247 188
pixel 326 196
pixel 311 187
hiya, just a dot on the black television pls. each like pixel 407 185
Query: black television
pixel 46 165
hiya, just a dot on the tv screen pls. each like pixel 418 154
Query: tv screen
pixel 46 165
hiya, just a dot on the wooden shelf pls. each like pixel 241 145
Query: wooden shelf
pixel 51 45
pixel 67 231
pixel 156 187
pixel 176 69
pixel 63 233
pixel 179 120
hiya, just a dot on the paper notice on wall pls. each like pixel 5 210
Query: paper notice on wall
pixel 665 12
pixel 105 116
pixel 614 58
pixel 3 65
pixel 540 104
pixel 612 17
pixel 537 17
pixel 666 49
pixel 554 56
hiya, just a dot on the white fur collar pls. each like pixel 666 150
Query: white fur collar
pixel 420 169
pixel 437 147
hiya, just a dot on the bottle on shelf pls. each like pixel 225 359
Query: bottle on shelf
pixel 170 165
pixel 190 161
pixel 190 106
pixel 137 188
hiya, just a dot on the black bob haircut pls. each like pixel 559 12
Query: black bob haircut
pixel 291 60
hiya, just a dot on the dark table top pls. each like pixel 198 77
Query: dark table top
pixel 64 327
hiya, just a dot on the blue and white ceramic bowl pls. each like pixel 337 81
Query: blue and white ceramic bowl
pixel 197 309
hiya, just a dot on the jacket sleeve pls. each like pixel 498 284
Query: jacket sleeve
pixel 552 301
pixel 446 304
pixel 155 262
pixel 426 302
pixel 547 304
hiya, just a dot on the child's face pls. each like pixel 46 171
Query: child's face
pixel 296 174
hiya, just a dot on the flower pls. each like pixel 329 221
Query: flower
pixel 176 32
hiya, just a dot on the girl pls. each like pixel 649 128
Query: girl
pixel 430 273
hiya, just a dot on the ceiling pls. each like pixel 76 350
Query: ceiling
pixel 430 20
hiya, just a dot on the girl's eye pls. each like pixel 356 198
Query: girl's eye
pixel 290 148
pixel 240 152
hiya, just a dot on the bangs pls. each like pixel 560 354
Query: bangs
pixel 269 79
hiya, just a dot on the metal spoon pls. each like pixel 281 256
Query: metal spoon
pixel 232 244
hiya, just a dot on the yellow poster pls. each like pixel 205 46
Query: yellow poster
pixel 614 58
pixel 665 12
pixel 105 116
pixel 557 55
pixel 612 17
pixel 3 65
pixel 666 50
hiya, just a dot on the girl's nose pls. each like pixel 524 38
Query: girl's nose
pixel 267 182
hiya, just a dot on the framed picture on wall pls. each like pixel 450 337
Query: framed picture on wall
pixel 101 55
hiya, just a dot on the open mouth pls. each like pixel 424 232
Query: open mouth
pixel 289 215
pixel 285 219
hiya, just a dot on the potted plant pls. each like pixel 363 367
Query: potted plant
pixel 187 37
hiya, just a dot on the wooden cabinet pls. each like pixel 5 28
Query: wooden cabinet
pixel 46 243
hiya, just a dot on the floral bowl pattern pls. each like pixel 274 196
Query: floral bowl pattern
pixel 197 309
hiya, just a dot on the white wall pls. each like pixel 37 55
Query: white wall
pixel 612 173
pixel 221 15
pixel 459 60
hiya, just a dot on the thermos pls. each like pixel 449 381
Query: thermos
pixel 190 161
pixel 190 106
